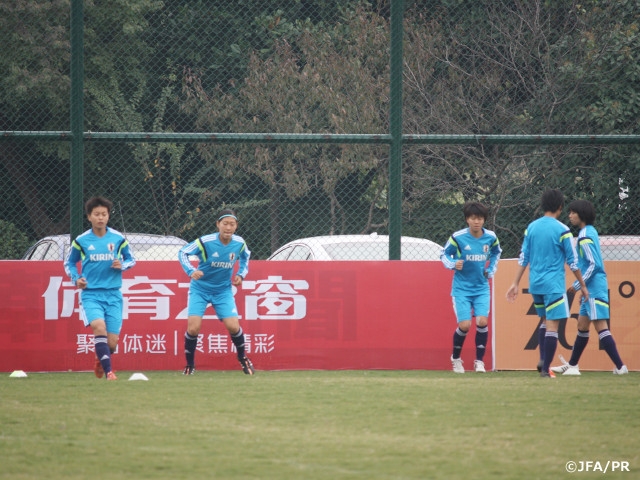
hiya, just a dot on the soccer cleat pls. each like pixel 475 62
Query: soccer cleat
pixel 97 369
pixel 456 363
pixel 623 370
pixel 571 370
pixel 561 368
pixel 547 374
pixel 111 375
pixel 539 366
pixel 247 366
pixel 478 366
pixel 189 370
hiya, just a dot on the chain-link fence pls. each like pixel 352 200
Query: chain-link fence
pixel 511 71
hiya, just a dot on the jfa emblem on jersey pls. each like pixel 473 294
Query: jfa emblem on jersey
pixel 232 257
pixel 111 247
pixel 485 248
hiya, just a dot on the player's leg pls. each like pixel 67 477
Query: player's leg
pixel 196 306
pixel 113 323
pixel 482 336
pixel 194 323
pixel 538 303
pixel 462 310
pixel 226 309
pixel 92 315
pixel 557 308
pixel 609 344
pixel 103 354
pixel 581 341
pixel 236 333
pixel 481 311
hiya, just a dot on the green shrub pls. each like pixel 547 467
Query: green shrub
pixel 13 242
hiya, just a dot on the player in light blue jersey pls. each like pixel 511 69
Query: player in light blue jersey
pixel 595 310
pixel 473 254
pixel 546 248
pixel 104 254
pixel 212 282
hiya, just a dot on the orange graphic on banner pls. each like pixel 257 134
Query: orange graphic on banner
pixel 516 336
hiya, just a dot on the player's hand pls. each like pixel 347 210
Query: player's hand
pixel 459 264
pixel 512 293
pixel 117 264
pixel 81 283
pixel 197 275
pixel 237 280
pixel 585 293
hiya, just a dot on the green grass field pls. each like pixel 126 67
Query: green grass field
pixel 317 425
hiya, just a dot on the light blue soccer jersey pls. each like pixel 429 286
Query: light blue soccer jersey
pixel 546 248
pixel 97 254
pixel 216 261
pixel 591 263
pixel 480 256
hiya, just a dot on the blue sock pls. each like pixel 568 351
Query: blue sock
pixel 609 345
pixel 190 345
pixel 458 341
pixel 550 345
pixel 238 341
pixel 578 347
pixel 103 353
pixel 482 334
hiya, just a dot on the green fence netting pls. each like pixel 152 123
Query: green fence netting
pixel 500 100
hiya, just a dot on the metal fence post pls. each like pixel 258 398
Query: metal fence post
pixel 77 116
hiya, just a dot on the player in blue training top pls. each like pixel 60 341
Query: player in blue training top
pixel 595 310
pixel 546 248
pixel 212 283
pixel 104 254
pixel 473 254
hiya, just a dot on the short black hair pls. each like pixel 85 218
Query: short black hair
pixel 226 212
pixel 475 208
pixel 98 201
pixel 552 200
pixel 584 209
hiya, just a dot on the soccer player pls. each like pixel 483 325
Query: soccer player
pixel 104 254
pixel 473 254
pixel 212 281
pixel 595 310
pixel 546 248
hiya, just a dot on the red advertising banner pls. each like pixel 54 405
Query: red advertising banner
pixel 516 340
pixel 296 315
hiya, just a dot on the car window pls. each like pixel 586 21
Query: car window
pixel 300 252
pixel 358 251
pixel 282 254
pixel 145 251
pixel 380 251
pixel 420 251
pixel 46 251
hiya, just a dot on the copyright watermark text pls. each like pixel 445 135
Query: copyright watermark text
pixel 597 466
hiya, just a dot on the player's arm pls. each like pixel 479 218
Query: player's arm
pixel 583 286
pixel 71 265
pixel 126 255
pixel 243 264
pixel 193 248
pixel 494 257
pixel 584 246
pixel 449 255
pixel 512 293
